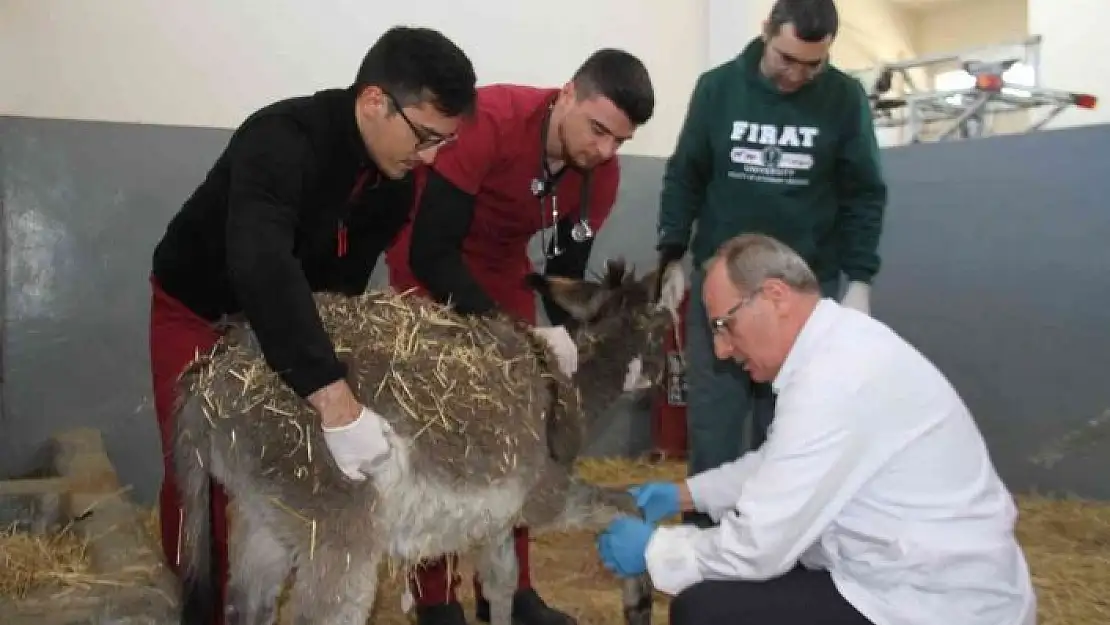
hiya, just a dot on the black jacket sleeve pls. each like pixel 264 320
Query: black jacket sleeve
pixel 439 227
pixel 269 162
pixel 571 263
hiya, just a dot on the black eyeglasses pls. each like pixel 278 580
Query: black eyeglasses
pixel 426 138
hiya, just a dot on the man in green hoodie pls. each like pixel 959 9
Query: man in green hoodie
pixel 779 142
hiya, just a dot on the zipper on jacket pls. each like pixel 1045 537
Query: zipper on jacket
pixel 341 232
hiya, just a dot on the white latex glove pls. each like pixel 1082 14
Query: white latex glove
pixel 563 346
pixel 673 288
pixel 858 296
pixel 360 447
pixel 634 379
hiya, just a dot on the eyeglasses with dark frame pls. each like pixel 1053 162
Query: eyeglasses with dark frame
pixel 719 324
pixel 426 138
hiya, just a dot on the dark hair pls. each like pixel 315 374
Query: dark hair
pixel 622 78
pixel 813 20
pixel 420 65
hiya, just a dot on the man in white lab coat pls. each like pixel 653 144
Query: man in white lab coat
pixel 873 500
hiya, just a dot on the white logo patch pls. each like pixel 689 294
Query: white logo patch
pixel 772 153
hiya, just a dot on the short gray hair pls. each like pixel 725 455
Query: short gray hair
pixel 750 259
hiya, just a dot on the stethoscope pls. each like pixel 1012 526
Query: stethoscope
pixel 543 188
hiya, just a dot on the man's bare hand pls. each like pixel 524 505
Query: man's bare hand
pixel 336 404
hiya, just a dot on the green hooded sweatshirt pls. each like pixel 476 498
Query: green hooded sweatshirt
pixel 801 167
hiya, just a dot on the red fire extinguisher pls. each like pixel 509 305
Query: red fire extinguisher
pixel 668 418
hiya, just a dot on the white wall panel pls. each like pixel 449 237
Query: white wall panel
pixel 1074 50
pixel 871 32
pixel 732 24
pixel 211 62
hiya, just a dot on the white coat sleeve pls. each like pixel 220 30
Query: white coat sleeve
pixel 813 461
pixel 716 491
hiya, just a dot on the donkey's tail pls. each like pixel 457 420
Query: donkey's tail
pixel 192 453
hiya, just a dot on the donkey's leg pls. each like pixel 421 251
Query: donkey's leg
pixel 497 568
pixel 592 508
pixel 335 587
pixel 636 595
pixel 588 507
pixel 636 592
pixel 260 564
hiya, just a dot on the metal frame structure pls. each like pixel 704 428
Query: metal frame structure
pixel 968 111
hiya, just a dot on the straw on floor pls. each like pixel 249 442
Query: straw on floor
pixel 28 563
pixel 51 567
pixel 1066 541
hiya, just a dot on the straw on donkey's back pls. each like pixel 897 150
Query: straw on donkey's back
pixel 470 395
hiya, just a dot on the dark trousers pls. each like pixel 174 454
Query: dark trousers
pixel 800 597
pixel 721 396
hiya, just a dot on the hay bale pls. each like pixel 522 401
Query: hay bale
pixel 78 561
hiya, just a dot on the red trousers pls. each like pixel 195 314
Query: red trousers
pixel 433 586
pixel 177 335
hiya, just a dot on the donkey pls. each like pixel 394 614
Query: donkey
pixel 485 434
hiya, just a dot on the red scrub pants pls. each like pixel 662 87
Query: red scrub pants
pixel 176 336
pixel 433 586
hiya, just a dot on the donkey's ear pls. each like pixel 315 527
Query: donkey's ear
pixel 581 299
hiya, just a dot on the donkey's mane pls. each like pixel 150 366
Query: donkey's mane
pixel 616 274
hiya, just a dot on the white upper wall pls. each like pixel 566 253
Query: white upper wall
pixel 212 62
pixel 731 25
pixel 1074 50
pixel 956 26
pixel 871 31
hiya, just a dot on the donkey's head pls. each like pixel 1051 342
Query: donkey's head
pixel 617 322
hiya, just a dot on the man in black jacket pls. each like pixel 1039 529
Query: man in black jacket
pixel 305 198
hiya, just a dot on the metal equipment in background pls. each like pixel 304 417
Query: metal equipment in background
pixel 939 115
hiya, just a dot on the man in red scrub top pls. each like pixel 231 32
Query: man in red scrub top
pixel 530 158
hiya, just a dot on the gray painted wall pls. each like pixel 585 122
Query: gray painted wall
pixel 995 266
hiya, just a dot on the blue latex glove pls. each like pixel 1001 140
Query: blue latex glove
pixel 657 500
pixel 622 545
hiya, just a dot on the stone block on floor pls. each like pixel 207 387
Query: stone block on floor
pixel 134 586
pixel 36 506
